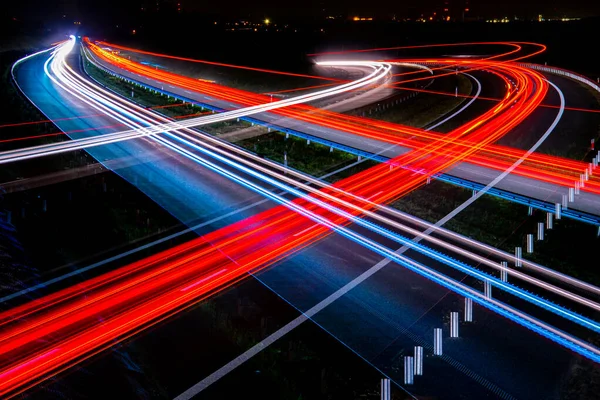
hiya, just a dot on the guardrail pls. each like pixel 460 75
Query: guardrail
pixel 551 70
pixel 563 72
pixel 503 194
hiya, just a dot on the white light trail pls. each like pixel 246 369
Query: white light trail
pixel 380 72
pixel 110 104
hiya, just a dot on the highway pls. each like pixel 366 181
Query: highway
pixel 174 174
pixel 307 277
pixel 545 190
pixel 529 187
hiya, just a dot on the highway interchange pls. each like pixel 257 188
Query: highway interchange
pixel 302 227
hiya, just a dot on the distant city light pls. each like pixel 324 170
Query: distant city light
pixel 495 21
pixel 540 18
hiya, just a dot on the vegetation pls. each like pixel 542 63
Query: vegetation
pixel 165 105
pixel 424 109
pixel 257 82
pixel 306 363
pixel 16 109
pixel 313 158
pixel 168 106
pixel 116 212
pixel 583 378
pixel 490 220
pixel 504 224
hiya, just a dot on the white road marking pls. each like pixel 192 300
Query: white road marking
pixel 248 354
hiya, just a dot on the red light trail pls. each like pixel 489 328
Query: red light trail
pixel 45 336
pixel 565 172
pixel 268 71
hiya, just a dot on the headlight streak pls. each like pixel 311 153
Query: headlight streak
pixel 571 282
pixel 551 176
pixel 471 128
pixel 510 288
pixel 495 305
pixel 591 352
pixel 380 71
pixel 590 324
pixel 367 126
pixel 515 273
pixel 180 282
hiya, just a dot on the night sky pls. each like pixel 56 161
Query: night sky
pixel 278 9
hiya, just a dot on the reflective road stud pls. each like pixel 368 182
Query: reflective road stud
pixel 385 389
pixel 454 324
pixel 437 341
pixel 549 220
pixel 487 289
pixel 530 243
pixel 504 271
pixel 468 310
pixel 571 195
pixel 518 256
pixel 409 372
pixel 418 360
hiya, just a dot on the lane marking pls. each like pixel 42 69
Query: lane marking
pixel 204 279
pixel 306 230
pixel 257 348
pixel 159 241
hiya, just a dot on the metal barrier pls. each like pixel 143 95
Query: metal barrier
pixel 563 72
pixel 538 204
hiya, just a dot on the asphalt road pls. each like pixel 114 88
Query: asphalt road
pixel 586 202
pixel 381 319
pixel 182 187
